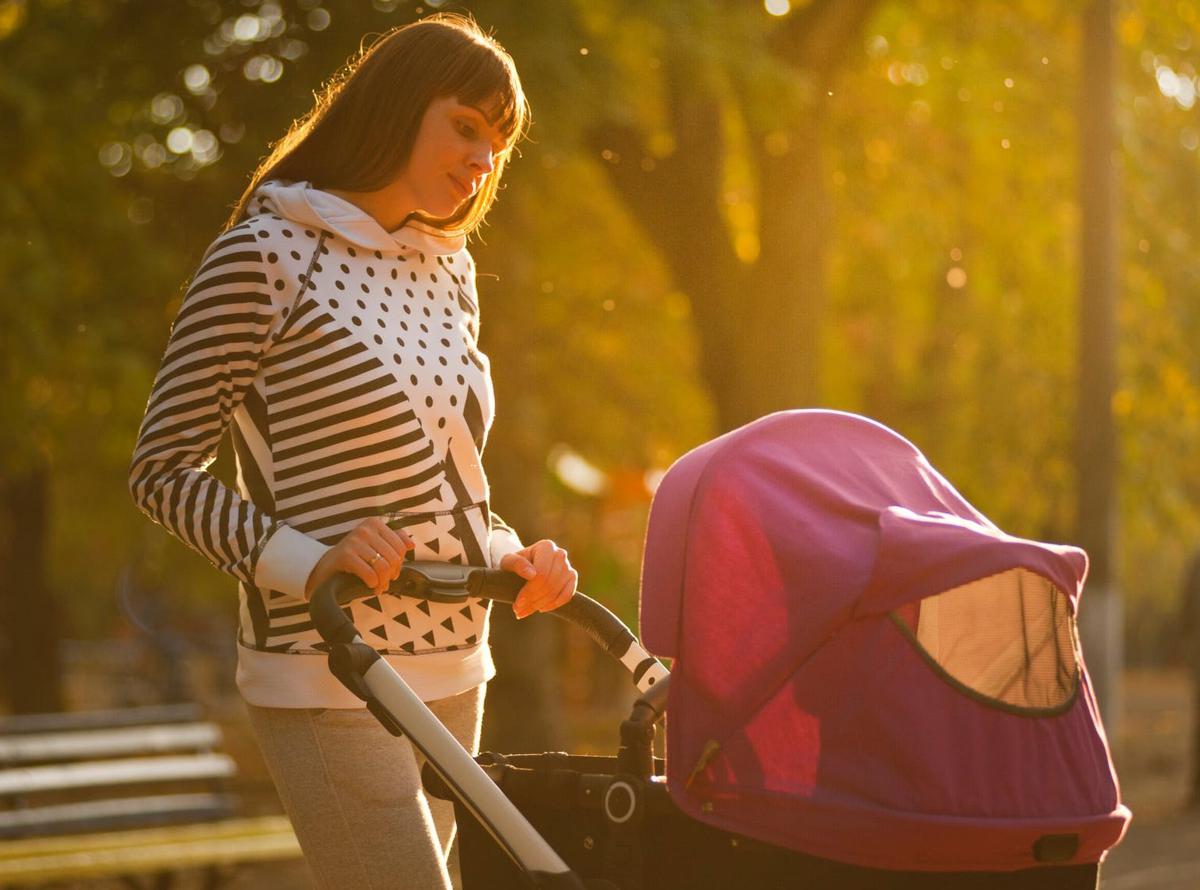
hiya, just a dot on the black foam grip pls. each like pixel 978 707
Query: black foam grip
pixel 598 623
pixel 591 617
pixel 493 584
pixel 325 607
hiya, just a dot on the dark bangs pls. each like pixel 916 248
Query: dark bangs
pixel 489 81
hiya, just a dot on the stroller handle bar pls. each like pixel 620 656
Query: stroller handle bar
pixel 369 676
pixel 448 583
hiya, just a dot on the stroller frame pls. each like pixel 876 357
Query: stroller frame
pixel 492 794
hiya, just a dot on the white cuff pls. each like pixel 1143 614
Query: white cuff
pixel 286 562
pixel 501 542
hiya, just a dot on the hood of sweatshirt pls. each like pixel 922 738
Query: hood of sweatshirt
pixel 301 203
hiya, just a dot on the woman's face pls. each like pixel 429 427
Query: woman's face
pixel 455 150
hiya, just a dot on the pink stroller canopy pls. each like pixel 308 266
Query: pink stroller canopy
pixel 866 668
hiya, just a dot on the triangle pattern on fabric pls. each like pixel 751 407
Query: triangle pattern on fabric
pixel 414 625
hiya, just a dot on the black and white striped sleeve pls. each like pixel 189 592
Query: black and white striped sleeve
pixel 230 312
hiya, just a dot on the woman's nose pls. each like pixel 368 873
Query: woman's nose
pixel 483 160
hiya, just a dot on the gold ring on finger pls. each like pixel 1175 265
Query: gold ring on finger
pixel 374 559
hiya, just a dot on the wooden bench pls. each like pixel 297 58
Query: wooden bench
pixel 138 791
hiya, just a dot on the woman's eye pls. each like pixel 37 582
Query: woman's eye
pixel 466 130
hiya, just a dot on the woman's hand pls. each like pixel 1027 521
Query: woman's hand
pixel 549 579
pixel 372 550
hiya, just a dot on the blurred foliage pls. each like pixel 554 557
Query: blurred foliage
pixel 951 160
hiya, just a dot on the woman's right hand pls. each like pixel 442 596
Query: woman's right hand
pixel 372 551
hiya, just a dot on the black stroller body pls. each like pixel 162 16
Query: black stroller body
pixel 556 820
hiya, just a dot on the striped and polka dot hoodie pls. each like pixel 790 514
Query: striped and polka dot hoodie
pixel 342 360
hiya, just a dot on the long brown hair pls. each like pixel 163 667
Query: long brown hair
pixel 360 133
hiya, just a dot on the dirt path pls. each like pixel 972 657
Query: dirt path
pixel 1162 855
pixel 1162 849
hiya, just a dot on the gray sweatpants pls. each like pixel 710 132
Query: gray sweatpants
pixel 353 793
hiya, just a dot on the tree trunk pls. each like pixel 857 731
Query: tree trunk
pixel 758 323
pixel 28 614
pixel 523 710
pixel 1096 459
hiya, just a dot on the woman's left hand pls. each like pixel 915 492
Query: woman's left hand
pixel 549 579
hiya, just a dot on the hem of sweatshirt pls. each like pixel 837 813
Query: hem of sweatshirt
pixel 280 680
pixel 286 561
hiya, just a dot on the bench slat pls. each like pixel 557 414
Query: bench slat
pixel 98 743
pixel 33 779
pixel 107 815
pixel 70 720
pixel 222 843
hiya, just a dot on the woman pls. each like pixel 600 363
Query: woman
pixel 332 329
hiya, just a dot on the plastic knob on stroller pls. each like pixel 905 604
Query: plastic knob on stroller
pixel 367 674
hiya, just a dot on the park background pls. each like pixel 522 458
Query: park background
pixel 722 209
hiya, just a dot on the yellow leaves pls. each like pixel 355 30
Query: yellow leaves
pixel 909 35
pixel 879 151
pixel 919 113
pixel 1122 404
pixel 661 143
pixel 1175 382
pixel 12 15
pixel 776 143
pixel 677 306
pixel 38 392
pixel 1131 28
pixel 746 246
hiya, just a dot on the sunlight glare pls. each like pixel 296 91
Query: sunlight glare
pixel 576 472
pixel 318 19
pixel 777 7
pixel 196 78
pixel 165 108
pixel 179 140
pixel 247 28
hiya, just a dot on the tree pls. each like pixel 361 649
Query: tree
pixel 1096 459
pixel 758 300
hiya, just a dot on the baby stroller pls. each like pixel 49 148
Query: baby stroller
pixel 872 687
